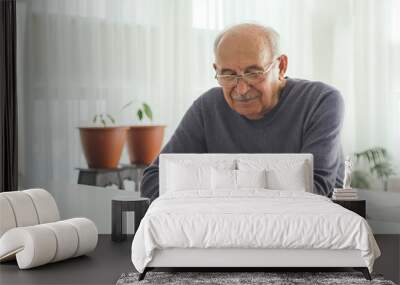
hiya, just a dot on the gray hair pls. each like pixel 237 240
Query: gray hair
pixel 271 36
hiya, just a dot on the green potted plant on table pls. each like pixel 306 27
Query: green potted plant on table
pixel 102 144
pixel 144 140
pixel 378 166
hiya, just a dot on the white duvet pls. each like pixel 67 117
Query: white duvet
pixel 251 218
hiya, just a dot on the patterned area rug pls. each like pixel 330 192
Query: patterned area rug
pixel 269 278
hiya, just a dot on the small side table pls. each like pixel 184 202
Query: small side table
pixel 357 206
pixel 105 177
pixel 100 177
pixel 122 204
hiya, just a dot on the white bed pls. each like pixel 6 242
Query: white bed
pixel 203 220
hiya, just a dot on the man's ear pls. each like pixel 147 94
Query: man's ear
pixel 215 67
pixel 283 63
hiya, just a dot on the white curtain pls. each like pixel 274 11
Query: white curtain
pixel 77 58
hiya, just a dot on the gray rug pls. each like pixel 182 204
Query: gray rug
pixel 269 278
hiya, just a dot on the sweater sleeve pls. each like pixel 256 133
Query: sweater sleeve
pixel 187 138
pixel 322 139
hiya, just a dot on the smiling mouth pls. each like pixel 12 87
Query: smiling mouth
pixel 244 98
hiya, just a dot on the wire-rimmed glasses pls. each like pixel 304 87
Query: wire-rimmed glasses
pixel 251 78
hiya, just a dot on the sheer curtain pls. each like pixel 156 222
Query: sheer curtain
pixel 81 57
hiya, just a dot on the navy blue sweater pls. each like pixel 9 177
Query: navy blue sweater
pixel 307 119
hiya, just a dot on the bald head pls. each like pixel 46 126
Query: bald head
pixel 248 55
pixel 260 37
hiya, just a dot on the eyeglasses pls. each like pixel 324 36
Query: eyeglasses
pixel 251 78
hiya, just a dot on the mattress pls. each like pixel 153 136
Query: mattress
pixel 250 219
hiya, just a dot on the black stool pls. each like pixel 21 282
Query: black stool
pixel 122 204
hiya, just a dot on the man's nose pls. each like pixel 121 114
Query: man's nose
pixel 242 87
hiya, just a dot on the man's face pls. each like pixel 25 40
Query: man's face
pixel 237 56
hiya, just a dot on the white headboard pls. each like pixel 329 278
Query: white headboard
pixel 171 157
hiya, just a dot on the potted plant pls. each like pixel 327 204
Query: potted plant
pixel 102 145
pixel 378 164
pixel 144 140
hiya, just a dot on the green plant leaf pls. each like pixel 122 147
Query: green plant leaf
pixel 382 170
pixel 147 111
pixel 140 114
pixel 127 105
pixel 378 163
pixel 359 179
pixel 373 155
pixel 369 156
pixel 111 118
pixel 102 120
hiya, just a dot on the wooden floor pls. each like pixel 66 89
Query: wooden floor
pixel 389 262
pixel 102 266
pixel 111 259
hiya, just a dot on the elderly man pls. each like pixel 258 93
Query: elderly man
pixel 259 110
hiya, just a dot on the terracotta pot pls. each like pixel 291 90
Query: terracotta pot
pixel 144 143
pixel 102 146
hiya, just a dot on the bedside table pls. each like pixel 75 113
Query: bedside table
pixel 357 206
pixel 122 204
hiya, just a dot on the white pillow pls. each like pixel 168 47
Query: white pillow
pixel 228 179
pixel 182 177
pixel 251 178
pixel 223 179
pixel 186 174
pixel 281 174
pixel 291 179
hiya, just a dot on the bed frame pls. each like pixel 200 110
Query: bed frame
pixel 242 259
pixel 245 259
